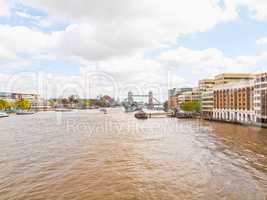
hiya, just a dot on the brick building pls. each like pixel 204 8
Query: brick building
pixel 234 102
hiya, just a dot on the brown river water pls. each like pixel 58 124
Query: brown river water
pixel 88 155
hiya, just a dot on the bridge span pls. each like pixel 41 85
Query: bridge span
pixel 138 102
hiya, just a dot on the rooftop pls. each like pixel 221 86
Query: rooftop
pixel 233 85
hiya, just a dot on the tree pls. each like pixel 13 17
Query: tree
pixel 101 103
pixel 65 102
pixel 73 99
pixel 4 104
pixel 190 106
pixel 52 102
pixel 84 103
pixel 23 104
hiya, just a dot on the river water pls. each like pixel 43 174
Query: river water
pixel 88 155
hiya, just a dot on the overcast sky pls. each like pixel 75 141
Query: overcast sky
pixel 92 47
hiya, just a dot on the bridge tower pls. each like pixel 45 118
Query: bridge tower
pixel 130 97
pixel 150 100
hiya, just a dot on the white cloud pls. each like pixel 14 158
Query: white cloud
pixel 102 29
pixel 262 41
pixel 205 58
pixel 174 68
pixel 20 39
pixel 4 8
pixel 257 7
pixel 120 10
pixel 209 62
pixel 6 54
pixel 24 15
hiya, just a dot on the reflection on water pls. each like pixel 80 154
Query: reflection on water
pixel 88 155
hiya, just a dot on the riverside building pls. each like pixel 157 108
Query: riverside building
pixel 192 95
pixel 234 102
pixel 233 97
pixel 206 96
pixel 231 82
pixel 206 85
pixel 207 103
pixel 11 97
pixel 173 101
pixel 172 98
pixel 232 77
pixel 260 98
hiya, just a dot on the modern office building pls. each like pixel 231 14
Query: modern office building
pixel 233 97
pixel 206 96
pixel 206 85
pixel 173 101
pixel 207 103
pixel 192 95
pixel 232 77
pixel 234 101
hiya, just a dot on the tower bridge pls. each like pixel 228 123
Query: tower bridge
pixel 138 102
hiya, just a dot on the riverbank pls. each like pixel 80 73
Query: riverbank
pixel 34 111
pixel 239 123
pixel 211 119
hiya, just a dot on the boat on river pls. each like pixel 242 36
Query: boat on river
pixel 3 114
pixel 103 110
pixel 62 110
pixel 25 113
pixel 11 111
pixel 141 115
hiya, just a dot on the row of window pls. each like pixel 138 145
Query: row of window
pixel 261 79
pixel 261 86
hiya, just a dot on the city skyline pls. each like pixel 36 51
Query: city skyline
pixel 152 44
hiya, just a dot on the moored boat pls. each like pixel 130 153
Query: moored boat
pixel 103 110
pixel 141 115
pixel 25 113
pixel 184 115
pixel 11 111
pixel 2 114
pixel 62 110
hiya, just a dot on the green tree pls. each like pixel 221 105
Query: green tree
pixel 190 106
pixel 4 104
pixel 52 102
pixel 84 103
pixel 23 104
pixel 101 103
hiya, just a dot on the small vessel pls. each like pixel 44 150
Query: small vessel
pixel 93 107
pixel 25 113
pixel 62 110
pixel 184 115
pixel 141 115
pixel 11 111
pixel 2 114
pixel 103 110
